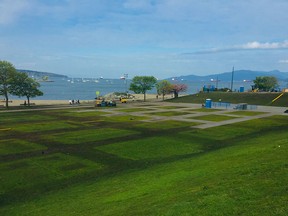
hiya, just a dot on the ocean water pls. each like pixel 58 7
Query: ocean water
pixel 85 89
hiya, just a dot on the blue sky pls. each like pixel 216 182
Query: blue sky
pixel 163 38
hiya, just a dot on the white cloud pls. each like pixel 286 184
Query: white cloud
pixel 283 61
pixel 12 10
pixel 267 45
pixel 248 46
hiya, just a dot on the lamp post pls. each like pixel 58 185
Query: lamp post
pixel 232 80
pixel 125 78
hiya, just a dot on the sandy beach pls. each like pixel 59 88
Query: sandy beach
pixel 137 97
pixel 13 102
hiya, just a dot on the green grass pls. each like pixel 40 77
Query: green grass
pixel 44 126
pixel 125 167
pixel 92 135
pixel 85 113
pixel 152 148
pixel 170 113
pixel 205 110
pixel 247 113
pixel 37 172
pixel 134 110
pixel 214 118
pixel 170 107
pixel 124 118
pixel 14 146
pixel 166 124
pixel 23 117
pixel 254 98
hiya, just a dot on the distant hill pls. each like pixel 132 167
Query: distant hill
pixel 239 75
pixel 41 74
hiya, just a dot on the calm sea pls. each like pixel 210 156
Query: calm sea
pixel 85 89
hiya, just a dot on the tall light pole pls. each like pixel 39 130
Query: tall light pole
pixel 217 83
pixel 125 78
pixel 232 80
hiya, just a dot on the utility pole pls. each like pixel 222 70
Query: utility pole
pixel 232 80
pixel 126 77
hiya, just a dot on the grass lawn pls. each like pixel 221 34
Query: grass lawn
pixel 134 110
pixel 116 166
pixel 43 126
pixel 125 118
pixel 170 113
pixel 167 124
pixel 254 98
pixel 170 107
pixel 215 118
pixel 8 118
pixel 205 110
pixel 13 146
pixel 247 113
pixel 84 136
pixel 152 148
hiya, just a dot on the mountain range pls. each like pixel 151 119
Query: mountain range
pixel 238 75
pixel 32 73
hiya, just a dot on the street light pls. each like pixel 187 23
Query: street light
pixel 125 78
pixel 232 79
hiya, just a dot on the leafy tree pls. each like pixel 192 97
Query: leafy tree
pixel 179 88
pixel 25 86
pixel 141 84
pixel 164 87
pixel 7 76
pixel 265 83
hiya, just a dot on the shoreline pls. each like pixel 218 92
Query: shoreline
pixel 137 97
pixel 18 102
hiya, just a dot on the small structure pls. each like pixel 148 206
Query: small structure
pixel 208 103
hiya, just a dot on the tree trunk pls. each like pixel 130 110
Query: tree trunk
pixel 163 96
pixel 175 94
pixel 6 100
pixel 145 96
pixel 28 99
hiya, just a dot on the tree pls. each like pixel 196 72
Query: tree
pixel 179 88
pixel 24 86
pixel 141 84
pixel 164 87
pixel 265 83
pixel 7 77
